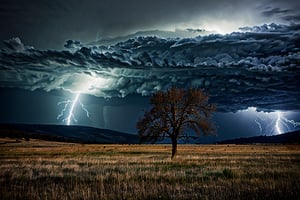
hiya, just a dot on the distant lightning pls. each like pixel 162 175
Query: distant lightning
pixel 277 124
pixel 292 122
pixel 259 125
pixel 69 109
pixel 273 122
pixel 283 123
pixel 85 84
pixel 71 114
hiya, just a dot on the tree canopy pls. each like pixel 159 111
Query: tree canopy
pixel 174 113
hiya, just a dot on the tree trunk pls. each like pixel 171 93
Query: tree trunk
pixel 174 147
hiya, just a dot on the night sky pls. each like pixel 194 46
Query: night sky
pixel 96 62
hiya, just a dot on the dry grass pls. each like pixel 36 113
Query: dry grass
pixel 50 170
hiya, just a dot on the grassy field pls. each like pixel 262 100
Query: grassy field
pixel 52 170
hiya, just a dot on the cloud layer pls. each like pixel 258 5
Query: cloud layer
pixel 258 67
pixel 47 24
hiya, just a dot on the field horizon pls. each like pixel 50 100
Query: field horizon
pixel 39 169
pixel 92 135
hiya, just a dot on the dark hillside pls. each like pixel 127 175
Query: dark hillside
pixel 79 134
pixel 286 138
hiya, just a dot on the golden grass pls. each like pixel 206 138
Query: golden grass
pixel 52 170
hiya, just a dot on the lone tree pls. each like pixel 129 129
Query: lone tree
pixel 173 113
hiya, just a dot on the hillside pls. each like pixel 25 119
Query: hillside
pixel 78 134
pixel 286 138
pixel 83 134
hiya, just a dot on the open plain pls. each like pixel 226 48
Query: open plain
pixel 38 169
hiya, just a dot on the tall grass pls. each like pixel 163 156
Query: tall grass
pixel 45 170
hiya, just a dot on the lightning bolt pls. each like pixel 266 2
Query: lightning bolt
pixel 277 124
pixel 260 121
pixel 273 122
pixel 69 108
pixel 71 113
pixel 292 122
pixel 259 125
pixel 284 125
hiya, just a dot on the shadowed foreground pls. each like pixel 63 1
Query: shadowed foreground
pixel 52 170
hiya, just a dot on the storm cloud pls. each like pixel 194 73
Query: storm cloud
pixel 258 67
pixel 47 24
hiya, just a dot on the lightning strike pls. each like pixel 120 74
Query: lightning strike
pixel 277 124
pixel 292 122
pixel 69 109
pixel 71 115
pixel 259 125
pixel 273 122
pixel 286 124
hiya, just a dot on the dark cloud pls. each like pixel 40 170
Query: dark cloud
pixel 292 18
pixel 290 15
pixel 45 24
pixel 16 45
pixel 276 11
pixel 257 68
pixel 71 44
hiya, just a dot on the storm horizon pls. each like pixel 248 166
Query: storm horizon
pixel 97 63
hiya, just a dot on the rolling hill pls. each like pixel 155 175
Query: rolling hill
pixel 286 138
pixel 78 134
pixel 84 134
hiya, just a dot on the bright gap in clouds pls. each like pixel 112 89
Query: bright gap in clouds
pixel 87 83
pixel 223 24
pixel 221 27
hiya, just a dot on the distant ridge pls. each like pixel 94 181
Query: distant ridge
pixel 84 134
pixel 78 134
pixel 286 138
